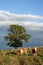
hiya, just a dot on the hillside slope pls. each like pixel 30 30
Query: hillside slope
pixel 11 57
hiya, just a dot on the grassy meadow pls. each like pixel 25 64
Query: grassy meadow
pixel 10 57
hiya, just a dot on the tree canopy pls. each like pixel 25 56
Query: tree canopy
pixel 16 36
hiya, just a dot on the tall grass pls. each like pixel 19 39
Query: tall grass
pixel 10 57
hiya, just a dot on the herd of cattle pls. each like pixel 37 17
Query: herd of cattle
pixel 21 51
pixel 25 50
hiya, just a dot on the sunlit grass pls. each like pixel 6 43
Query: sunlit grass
pixel 10 57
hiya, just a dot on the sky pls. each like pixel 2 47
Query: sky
pixel 28 13
pixel 34 7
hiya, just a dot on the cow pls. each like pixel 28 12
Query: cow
pixel 22 50
pixel 34 51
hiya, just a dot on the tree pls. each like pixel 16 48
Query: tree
pixel 16 36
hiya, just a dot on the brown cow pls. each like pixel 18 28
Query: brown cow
pixel 34 51
pixel 22 50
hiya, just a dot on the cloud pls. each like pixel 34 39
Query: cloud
pixel 34 28
pixel 29 25
pixel 7 18
pixel 7 15
pixel 34 25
